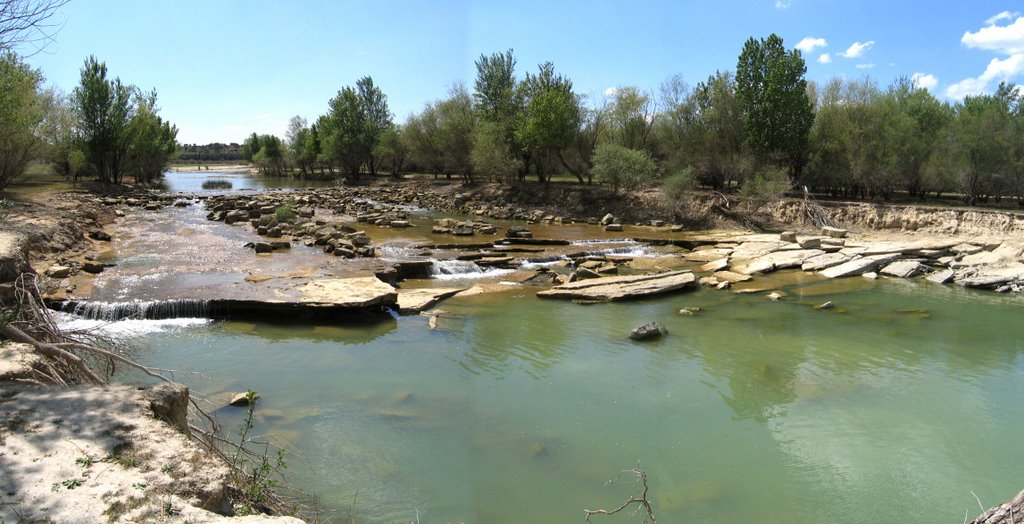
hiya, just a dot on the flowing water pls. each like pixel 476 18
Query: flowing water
pixel 891 407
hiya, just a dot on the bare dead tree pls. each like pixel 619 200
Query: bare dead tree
pixel 28 22
pixel 641 501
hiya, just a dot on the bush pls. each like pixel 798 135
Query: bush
pixel 623 167
pixel 765 187
pixel 217 184
pixel 679 183
pixel 285 213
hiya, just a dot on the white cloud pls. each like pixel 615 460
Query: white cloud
pixel 783 4
pixel 926 81
pixel 1007 40
pixel 809 44
pixel 611 92
pixel 865 66
pixel 1005 15
pixel 997 69
pixel 825 58
pixel 857 49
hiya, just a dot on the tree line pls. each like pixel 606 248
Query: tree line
pixel 104 129
pixel 762 128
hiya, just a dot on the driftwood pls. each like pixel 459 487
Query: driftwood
pixel 1011 512
pixel 640 501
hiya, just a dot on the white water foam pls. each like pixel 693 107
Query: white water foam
pixel 123 329
pixel 463 270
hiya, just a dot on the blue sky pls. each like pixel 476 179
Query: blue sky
pixel 224 69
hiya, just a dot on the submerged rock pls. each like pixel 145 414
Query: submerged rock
pixel 622 288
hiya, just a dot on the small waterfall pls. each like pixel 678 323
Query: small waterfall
pixel 462 269
pixel 138 309
pixel 543 261
pixel 633 250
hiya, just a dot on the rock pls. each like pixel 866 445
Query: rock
pixel 280 244
pixel 689 311
pixel 859 265
pixel 263 247
pixel 834 232
pixel 788 236
pixel 708 255
pixel 463 230
pixel 966 249
pixel 93 268
pixel 99 234
pixel 870 275
pixel 58 271
pixel 358 292
pixel 904 269
pixel 13 256
pixel 991 277
pixel 648 331
pixel 944 276
pixel 676 229
pixel 242 400
pixel 613 227
pixel 774 296
pixel 824 261
pixel 826 305
pixel 607 219
pixel 400 223
pixel 810 243
pixel 716 265
pixel 729 276
pixel 623 287
pixel 170 404
pixel 779 260
pixel 658 223
pixel 411 301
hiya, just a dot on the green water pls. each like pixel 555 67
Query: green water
pixel 891 407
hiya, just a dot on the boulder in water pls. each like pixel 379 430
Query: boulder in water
pixel 648 331
pixel 243 399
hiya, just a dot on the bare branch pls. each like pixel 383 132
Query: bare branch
pixel 641 501
pixel 27 22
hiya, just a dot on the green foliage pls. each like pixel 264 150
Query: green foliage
pixel 552 115
pixel 630 117
pixel 105 111
pixel 344 131
pixel 678 184
pixel 258 470
pixel 151 141
pixel 217 184
pixel 285 213
pixel 772 91
pixel 623 167
pixel 379 119
pixel 20 114
pixel 491 154
pixel 767 186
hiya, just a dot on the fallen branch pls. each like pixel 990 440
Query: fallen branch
pixel 641 501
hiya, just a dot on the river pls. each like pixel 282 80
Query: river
pixel 895 405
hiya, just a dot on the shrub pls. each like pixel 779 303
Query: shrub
pixel 623 167
pixel 285 213
pixel 765 187
pixel 217 184
pixel 679 183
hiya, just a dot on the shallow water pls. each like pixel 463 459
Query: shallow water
pixel 893 406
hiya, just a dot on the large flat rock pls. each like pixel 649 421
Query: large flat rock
pixel 347 293
pixel 622 288
pixel 785 259
pixel 412 301
pixel 990 276
pixel 859 265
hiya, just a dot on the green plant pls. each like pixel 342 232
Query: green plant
pixel 217 184
pixel 679 183
pixel 765 187
pixel 258 470
pixel 85 462
pixel 285 213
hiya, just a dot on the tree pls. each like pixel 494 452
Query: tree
pixel 928 119
pixel 551 118
pixel 772 91
pixel 27 22
pixel 986 143
pixel 623 167
pixel 456 121
pixel 295 140
pixel 343 132
pixel 630 117
pixel 491 154
pixel 717 134
pixel 378 118
pixel 58 131
pixel 499 102
pixel 20 114
pixel 104 110
pixel 151 141
pixel 391 152
pixel 250 146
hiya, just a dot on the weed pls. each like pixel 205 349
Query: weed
pixel 285 213
pixel 85 462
